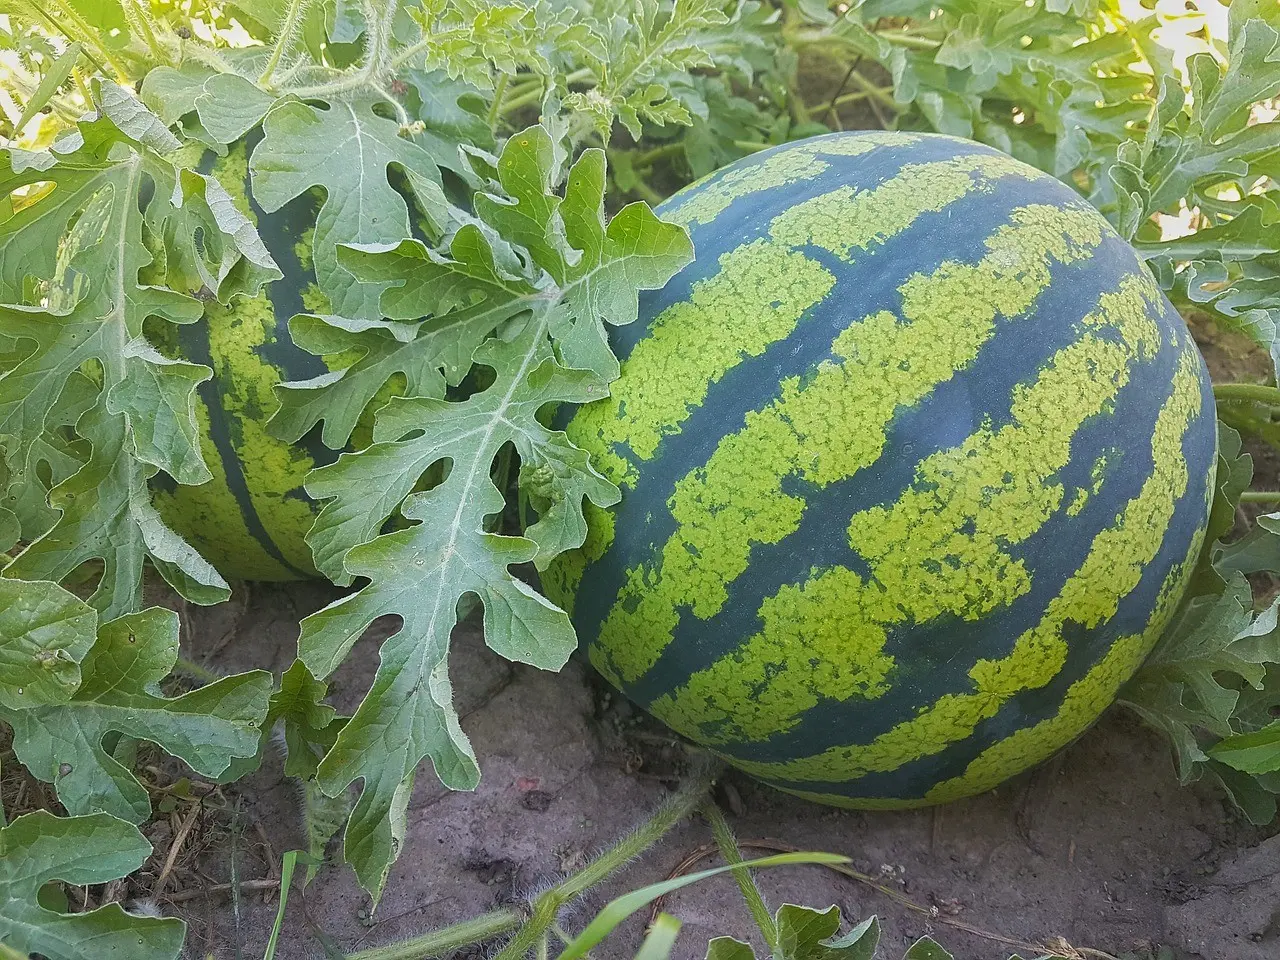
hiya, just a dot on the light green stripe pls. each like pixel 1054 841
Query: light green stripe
pixel 1084 701
pixel 703 203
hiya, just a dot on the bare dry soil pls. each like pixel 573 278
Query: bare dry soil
pixel 1101 847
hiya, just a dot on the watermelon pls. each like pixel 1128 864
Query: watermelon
pixel 916 459
pixel 251 519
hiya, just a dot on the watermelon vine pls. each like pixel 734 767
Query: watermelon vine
pixel 467 188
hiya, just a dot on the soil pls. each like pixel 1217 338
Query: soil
pixel 1101 847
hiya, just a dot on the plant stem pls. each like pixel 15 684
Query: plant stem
pixel 195 671
pixel 674 809
pixel 860 95
pixel 446 939
pixel 376 62
pixel 1257 392
pixel 882 95
pixel 1260 496
pixel 85 42
pixel 533 932
pixel 909 41
pixel 647 193
pixel 139 20
pixel 402 115
pixel 745 880
pixel 522 100
pixel 547 907
pixel 649 157
pixel 495 108
pixel 285 40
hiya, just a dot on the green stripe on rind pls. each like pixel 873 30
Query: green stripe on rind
pixel 210 519
pixel 1089 598
pixel 211 515
pixel 756 299
pixel 736 498
pixel 846 221
pixel 1084 702
pixel 939 549
pixel 708 198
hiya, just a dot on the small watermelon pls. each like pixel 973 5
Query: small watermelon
pixel 916 459
pixel 250 520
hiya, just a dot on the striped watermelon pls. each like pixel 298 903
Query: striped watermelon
pixel 916 459
pixel 249 521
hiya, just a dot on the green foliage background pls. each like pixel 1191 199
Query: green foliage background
pixel 527 140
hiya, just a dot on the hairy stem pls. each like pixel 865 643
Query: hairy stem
pixel 746 881
pixel 840 101
pixel 647 158
pixel 82 33
pixel 532 95
pixel 402 115
pixel 27 85
pixel 495 108
pixel 446 939
pixel 288 33
pixel 138 17
pixel 1257 392
pixel 547 907
pixel 196 671
pixel 377 64
pixel 647 193
pixel 530 91
pixel 879 94
pixel 910 41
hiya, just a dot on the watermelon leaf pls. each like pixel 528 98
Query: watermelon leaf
pixel 345 149
pixel 577 273
pixel 45 633
pixel 84 246
pixel 1213 676
pixel 38 848
pixel 926 948
pixel 1256 753
pixel 62 742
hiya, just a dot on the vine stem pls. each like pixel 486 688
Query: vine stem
pixel 531 91
pixel 86 41
pixel 1260 496
pixel 1247 391
pixel 728 845
pixel 860 95
pixel 139 19
pixel 376 60
pixel 882 95
pixel 533 929
pixel 546 908
pixel 287 33
pixel 495 108
pixel 457 935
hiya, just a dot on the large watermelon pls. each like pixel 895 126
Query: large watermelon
pixel 915 458
pixel 249 521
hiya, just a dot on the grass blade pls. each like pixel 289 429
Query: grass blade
pixel 623 907
pixel 661 939
pixel 286 878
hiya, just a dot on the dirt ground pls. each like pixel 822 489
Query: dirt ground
pixel 1101 847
